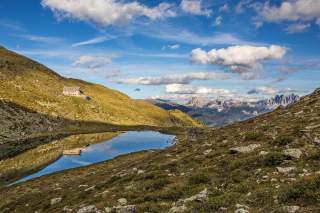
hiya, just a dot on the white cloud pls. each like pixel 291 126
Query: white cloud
pixel 166 32
pixel 11 25
pixel 115 73
pixel 90 61
pixel 107 12
pixel 95 40
pixel 298 27
pixel 43 39
pixel 194 7
pixel 172 47
pixel 269 90
pixel 218 21
pixel 294 10
pixel 224 8
pixel 198 90
pixel 241 59
pixel 242 4
pixel 175 78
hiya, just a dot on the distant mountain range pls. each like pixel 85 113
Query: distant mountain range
pixel 221 112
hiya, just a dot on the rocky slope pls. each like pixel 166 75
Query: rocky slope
pixel 266 164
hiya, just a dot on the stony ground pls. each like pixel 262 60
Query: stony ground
pixel 267 164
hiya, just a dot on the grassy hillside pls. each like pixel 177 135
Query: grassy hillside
pixel 34 86
pixel 266 164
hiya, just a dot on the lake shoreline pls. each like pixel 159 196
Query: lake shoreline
pixel 15 175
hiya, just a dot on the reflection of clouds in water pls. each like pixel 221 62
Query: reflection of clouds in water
pixel 82 163
pixel 99 148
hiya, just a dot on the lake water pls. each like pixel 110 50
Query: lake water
pixel 125 143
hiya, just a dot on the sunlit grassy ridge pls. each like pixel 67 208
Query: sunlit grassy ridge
pixel 36 87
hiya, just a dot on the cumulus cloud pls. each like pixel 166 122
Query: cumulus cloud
pixel 93 62
pixel 194 7
pixel 175 78
pixel 197 90
pixel 269 90
pixel 107 12
pixel 294 10
pixel 240 59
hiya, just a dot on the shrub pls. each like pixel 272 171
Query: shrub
pixel 273 159
pixel 283 140
pixel 200 178
pixel 253 136
pixel 213 204
pixel 156 184
pixel 306 191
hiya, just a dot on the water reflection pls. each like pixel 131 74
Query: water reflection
pixel 125 143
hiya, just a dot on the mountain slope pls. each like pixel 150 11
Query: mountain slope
pixel 266 164
pixel 34 86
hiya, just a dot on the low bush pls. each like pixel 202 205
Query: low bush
pixel 200 178
pixel 282 140
pixel 253 136
pixel 305 191
pixel 273 159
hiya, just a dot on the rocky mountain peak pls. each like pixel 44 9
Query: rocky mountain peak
pixel 283 100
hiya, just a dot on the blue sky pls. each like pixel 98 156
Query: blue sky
pixel 172 49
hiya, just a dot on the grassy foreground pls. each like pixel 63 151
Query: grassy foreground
pixel 266 164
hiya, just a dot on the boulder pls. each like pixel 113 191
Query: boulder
pixel 67 209
pixel 140 171
pixel 201 196
pixel 180 206
pixel 291 209
pixel 178 209
pixel 294 153
pixel 263 153
pixel 56 200
pixel 241 210
pixel 125 209
pixel 206 152
pixel 88 209
pixel 244 149
pixel 286 170
pixel 122 201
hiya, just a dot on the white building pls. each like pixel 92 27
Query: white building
pixel 72 91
